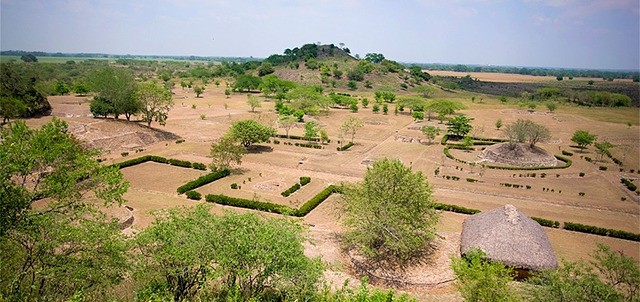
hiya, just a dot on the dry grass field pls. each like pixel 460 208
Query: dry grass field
pixel 606 202
pixel 504 77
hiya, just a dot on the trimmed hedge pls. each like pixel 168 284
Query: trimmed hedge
pixel 455 208
pixel 547 223
pixel 193 195
pixel 630 185
pixel 577 227
pixel 160 160
pixel 249 204
pixel 297 137
pixel 203 180
pixel 290 190
pixel 305 180
pixel 345 147
pixel 316 200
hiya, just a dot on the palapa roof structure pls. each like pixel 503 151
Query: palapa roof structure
pixel 509 236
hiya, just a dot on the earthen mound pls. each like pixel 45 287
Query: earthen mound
pixel 519 155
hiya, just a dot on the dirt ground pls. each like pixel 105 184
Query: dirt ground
pixel 200 121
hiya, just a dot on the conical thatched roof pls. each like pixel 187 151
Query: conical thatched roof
pixel 509 236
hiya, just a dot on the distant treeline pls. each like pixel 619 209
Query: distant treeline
pixel 536 71
pixel 20 53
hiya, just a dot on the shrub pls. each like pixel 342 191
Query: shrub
pixel 472 180
pixel 305 180
pixel 630 185
pixel 455 209
pixel 124 154
pixel 180 163
pixel 199 166
pixel 546 222
pixel 581 193
pixel 180 141
pixel 577 227
pixel 316 200
pixel 345 147
pixel 248 204
pixel 581 174
pixel 193 195
pixel 603 168
pixel 587 158
pixel 234 186
pixel 203 180
pixel 567 153
pixel 290 190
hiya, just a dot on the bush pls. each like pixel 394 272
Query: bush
pixel 454 208
pixel 305 180
pixel 199 166
pixel 567 153
pixel 587 158
pixel 290 190
pixel 180 163
pixel 472 180
pixel 193 195
pixel 581 174
pixel 546 222
pixel 577 227
pixel 603 168
pixel 630 185
pixel 249 204
pixel 316 200
pixel 124 154
pixel 234 186
pixel 345 147
pixel 180 141
pixel 203 180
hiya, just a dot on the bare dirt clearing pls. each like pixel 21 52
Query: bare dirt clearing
pixel 606 202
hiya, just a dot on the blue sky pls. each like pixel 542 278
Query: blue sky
pixel 545 33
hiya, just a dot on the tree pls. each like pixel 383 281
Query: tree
pixel 198 90
pixel 226 152
pixel 351 126
pixel 20 84
pixel 619 271
pixel 375 58
pixel 583 138
pixel 425 91
pixel 309 99
pixel 11 108
pixel 63 246
pixel 155 101
pixel 324 136
pixel 498 124
pixel 430 132
pixel 287 122
pixel 246 83
pixel 365 102
pixel 443 107
pixel 177 250
pixel 80 88
pixel 389 216
pixel 386 96
pixel 522 131
pixel 253 102
pixel 479 279
pixel 602 149
pixel 265 68
pixel 459 125
pixel 115 92
pixel 248 132
pixel 271 84
pixel 28 58
pixel 311 130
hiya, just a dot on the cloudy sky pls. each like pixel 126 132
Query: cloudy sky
pixel 544 33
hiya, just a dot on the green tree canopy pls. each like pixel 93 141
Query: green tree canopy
pixel 63 245
pixel 308 99
pixel 351 126
pixel 583 138
pixel 389 216
pixel 248 132
pixel 522 131
pixel 115 92
pixel 375 58
pixel 226 152
pixel 479 279
pixel 155 103
pixel 246 83
pixel 271 84
pixel 17 84
pixel 459 125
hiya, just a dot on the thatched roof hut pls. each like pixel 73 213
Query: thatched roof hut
pixel 509 236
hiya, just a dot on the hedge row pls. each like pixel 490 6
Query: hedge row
pixel 345 147
pixel 304 180
pixel 315 139
pixel 547 223
pixel 577 227
pixel 160 160
pixel 290 190
pixel 203 180
pixel 249 204
pixel 567 164
pixel 630 185
pixel 455 208
pixel 193 195
pixel 316 200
